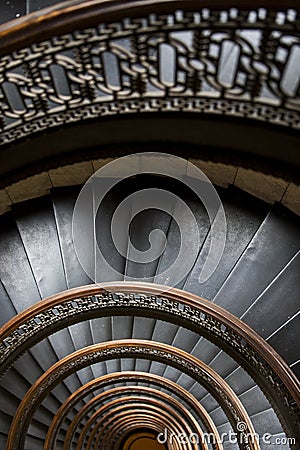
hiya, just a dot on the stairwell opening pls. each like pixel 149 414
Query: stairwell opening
pixel 142 441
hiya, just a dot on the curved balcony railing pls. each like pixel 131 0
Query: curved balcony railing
pixel 155 351
pixel 127 403
pixel 106 381
pixel 147 300
pixel 84 60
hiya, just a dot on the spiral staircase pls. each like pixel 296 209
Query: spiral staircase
pixel 128 358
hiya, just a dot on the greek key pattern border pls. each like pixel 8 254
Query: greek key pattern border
pixel 29 405
pixel 235 62
pixel 109 303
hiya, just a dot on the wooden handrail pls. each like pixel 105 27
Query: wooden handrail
pixel 70 15
pixel 107 380
pixel 252 338
pixel 255 355
pixel 195 368
pixel 130 406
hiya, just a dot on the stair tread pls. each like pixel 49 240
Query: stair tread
pixel 110 264
pixel 239 380
pixel 8 311
pixel 254 401
pixel 45 353
pixel 36 224
pixel 140 228
pixel 278 303
pixel 174 242
pixel 266 422
pixel 162 333
pixel 287 340
pixel 13 262
pixel 243 218
pixel 218 415
pixel 260 263
pixel 63 204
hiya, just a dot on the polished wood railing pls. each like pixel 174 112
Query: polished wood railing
pixel 85 60
pixel 132 348
pixel 106 425
pixel 148 300
pixel 106 381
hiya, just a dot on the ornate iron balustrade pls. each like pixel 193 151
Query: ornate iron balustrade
pixel 120 377
pixel 147 416
pixel 147 300
pixel 106 425
pixel 118 394
pixel 155 351
pixel 85 60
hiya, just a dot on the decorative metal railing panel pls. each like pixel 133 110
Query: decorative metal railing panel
pixel 148 300
pixel 155 351
pixel 106 381
pixel 107 422
pixel 238 62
